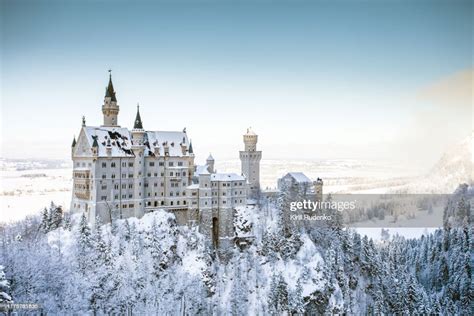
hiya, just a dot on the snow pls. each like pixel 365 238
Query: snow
pixel 193 263
pixel 299 177
pixel 226 177
pixel 121 141
pixel 174 141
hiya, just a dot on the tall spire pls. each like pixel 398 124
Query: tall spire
pixel 138 120
pixel 190 150
pixel 109 92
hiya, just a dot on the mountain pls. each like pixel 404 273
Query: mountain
pixel 456 165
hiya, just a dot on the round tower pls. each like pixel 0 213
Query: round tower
pixel 250 162
pixel 250 140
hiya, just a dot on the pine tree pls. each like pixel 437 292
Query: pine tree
pixel 45 221
pixel 5 297
pixel 55 216
pixel 296 301
pixel 84 245
pixel 278 297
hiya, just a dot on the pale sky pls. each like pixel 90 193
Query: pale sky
pixel 349 79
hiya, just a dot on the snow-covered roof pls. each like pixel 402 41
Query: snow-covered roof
pixel 174 140
pixel 226 177
pixel 299 177
pixel 121 141
pixel 250 132
pixel 201 169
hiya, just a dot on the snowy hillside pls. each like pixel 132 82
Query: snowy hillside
pixel 152 266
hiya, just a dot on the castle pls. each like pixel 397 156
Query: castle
pixel 120 173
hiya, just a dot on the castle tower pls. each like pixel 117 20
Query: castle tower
pixel 250 162
pixel 318 189
pixel 210 164
pixel 138 147
pixel 110 109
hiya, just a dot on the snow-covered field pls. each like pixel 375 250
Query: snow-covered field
pixel 26 187
pixel 29 191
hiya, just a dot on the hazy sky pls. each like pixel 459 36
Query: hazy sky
pixel 344 79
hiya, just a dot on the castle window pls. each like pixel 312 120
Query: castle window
pixel 171 203
pixel 103 176
pixel 162 202
pixel 155 184
pixel 170 164
pixel 113 175
pixel 113 165
pixel 156 174
pixel 130 175
pixel 152 164
pixel 124 196
pixel 130 196
pixel 103 197
pixel 171 173
pixel 130 164
pixel 104 187
pixel 124 206
pixel 130 185
pixel 161 164
pixel 177 203
pixel 180 163
pixel 184 174
pixel 162 184
pixel 149 174
pixel 130 205
pixel 178 174
pixel 156 203
pixel 171 193
pixel 104 165
pixel 184 202
pixel 116 196
pixel 124 186
pixel 223 202
pixel 148 203
pixel 124 164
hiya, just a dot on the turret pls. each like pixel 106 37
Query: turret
pixel 250 140
pixel 138 147
pixel 210 164
pixel 318 189
pixel 73 146
pixel 110 109
pixel 95 146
